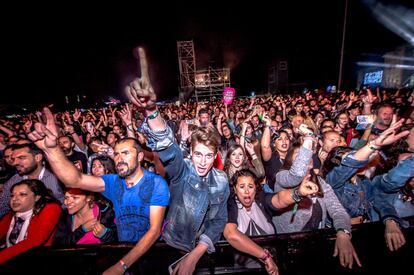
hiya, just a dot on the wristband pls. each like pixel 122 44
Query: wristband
pixel 153 115
pixel 130 127
pixel 124 265
pixel 295 195
pixel 266 255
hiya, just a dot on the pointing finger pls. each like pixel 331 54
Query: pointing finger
pixel 50 121
pixel 143 63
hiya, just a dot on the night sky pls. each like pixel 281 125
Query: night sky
pixel 90 51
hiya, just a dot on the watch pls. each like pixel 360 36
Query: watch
pixel 124 265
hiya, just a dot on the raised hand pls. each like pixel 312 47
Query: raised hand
pixel 389 136
pixel 304 130
pixel 76 115
pixel 307 188
pixel 369 98
pixel 45 134
pixel 68 129
pixel 126 115
pixel 185 133
pixel 140 91
pixel 266 119
pixel 249 148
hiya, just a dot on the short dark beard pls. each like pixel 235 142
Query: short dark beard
pixel 129 171
pixel 28 170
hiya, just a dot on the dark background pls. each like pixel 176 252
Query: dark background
pixel 50 52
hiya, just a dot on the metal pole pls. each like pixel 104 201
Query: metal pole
pixel 342 47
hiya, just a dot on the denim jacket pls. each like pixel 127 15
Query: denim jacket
pixel 355 197
pixel 198 205
pixel 369 197
pixel 387 188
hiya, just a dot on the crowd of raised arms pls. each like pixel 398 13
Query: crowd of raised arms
pixel 205 171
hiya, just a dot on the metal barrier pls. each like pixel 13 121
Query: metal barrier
pixel 299 253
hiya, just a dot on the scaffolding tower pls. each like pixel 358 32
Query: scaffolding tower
pixel 200 84
pixel 187 66
pixel 211 82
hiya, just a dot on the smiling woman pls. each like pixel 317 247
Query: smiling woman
pixel 32 221
pixel 86 220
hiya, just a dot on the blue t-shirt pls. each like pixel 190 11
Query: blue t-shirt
pixel 132 205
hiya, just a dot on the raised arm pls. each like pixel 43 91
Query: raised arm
pixel 45 137
pixel 6 130
pixel 286 197
pixel 266 137
pixel 141 93
pixel 387 137
pixel 160 137
pixel 292 177
pixel 126 117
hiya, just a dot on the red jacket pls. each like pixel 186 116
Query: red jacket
pixel 40 232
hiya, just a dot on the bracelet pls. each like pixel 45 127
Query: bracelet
pixel 373 147
pixel 124 265
pixel 153 115
pixel 344 231
pixel 266 255
pixel 130 127
pixel 295 195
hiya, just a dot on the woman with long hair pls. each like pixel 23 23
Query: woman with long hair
pixel 311 213
pixel 102 165
pixel 250 212
pixel 236 159
pixel 31 222
pixel 274 147
pixel 86 220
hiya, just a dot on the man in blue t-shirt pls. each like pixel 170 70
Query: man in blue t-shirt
pixel 139 197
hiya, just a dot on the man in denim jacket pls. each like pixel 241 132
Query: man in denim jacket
pixel 198 204
pixel 365 197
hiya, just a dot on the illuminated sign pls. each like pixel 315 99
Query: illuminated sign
pixel 373 77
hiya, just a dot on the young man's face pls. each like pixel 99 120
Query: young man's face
pixel 203 158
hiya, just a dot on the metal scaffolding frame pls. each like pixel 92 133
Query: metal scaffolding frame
pixel 211 82
pixel 187 66
pixel 198 83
